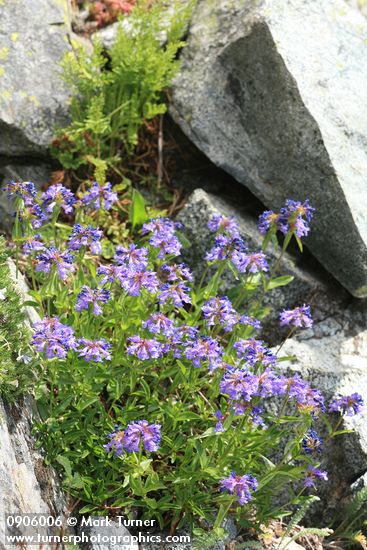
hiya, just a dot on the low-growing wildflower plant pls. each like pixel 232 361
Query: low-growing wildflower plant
pixel 154 390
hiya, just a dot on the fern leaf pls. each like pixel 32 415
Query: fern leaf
pixel 308 531
pixel 300 514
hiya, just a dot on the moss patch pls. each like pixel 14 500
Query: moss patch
pixel 14 336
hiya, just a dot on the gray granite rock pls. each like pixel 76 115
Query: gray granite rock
pixel 107 35
pixel 282 112
pixel 360 484
pixel 337 364
pixel 33 98
pixel 308 286
pixel 27 485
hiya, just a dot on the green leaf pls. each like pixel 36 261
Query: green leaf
pixel 183 240
pixel 86 509
pixel 137 214
pixel 87 403
pixel 30 303
pixel 65 463
pixel 287 358
pixel 280 281
pixel 76 482
pixel 299 242
pixel 188 415
pixel 222 512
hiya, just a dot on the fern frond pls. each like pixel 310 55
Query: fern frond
pixel 251 544
pixel 300 514
pixel 308 531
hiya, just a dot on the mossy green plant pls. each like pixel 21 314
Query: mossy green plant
pixel 14 335
pixel 115 92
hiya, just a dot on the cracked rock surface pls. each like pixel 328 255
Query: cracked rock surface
pixel 33 98
pixel 27 485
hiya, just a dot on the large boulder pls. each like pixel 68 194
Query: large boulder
pixel 27 485
pixel 33 98
pixel 272 91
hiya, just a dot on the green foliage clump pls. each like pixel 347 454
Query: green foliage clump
pixel 14 374
pixel 115 93
pixel 128 345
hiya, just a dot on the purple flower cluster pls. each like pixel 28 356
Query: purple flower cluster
pixel 145 348
pixel 242 384
pixel 141 434
pixel 294 216
pixel 176 272
pixel 33 244
pixel 110 273
pixel 220 311
pixel 160 324
pixel 94 350
pixel 138 435
pixel 100 197
pixel 348 404
pixel 298 390
pixel 299 317
pixel 239 384
pixel 224 248
pixel 253 351
pixel 25 190
pixel 133 281
pixel 204 349
pixel 33 214
pixel 133 272
pixel 252 263
pixel 163 236
pixel 30 211
pixel 53 338
pixel 228 245
pixel 177 293
pixel 176 339
pixel 313 474
pixel 58 195
pixel 85 236
pixel 297 216
pixel 51 257
pixel 224 224
pixel 94 296
pixel 166 226
pixel 312 443
pixel 241 486
pixel 133 257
